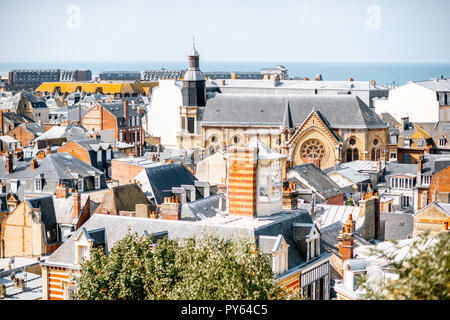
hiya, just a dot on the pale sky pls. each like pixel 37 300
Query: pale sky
pixel 225 30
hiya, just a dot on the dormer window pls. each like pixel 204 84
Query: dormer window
pixel 37 185
pixel 108 154
pixel 441 142
pixel 407 143
pixel 97 182
pixel 277 250
pixel 80 185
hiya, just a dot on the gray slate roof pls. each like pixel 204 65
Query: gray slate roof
pixel 269 110
pixel 398 226
pixel 317 179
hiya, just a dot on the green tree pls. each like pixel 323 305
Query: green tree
pixel 205 268
pixel 423 275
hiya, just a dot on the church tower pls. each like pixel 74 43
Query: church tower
pixel 194 101
pixel 194 88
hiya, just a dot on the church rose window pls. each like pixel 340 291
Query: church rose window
pixel 313 149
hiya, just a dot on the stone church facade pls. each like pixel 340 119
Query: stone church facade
pixel 323 129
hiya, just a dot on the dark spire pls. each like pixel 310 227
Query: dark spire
pixel 287 119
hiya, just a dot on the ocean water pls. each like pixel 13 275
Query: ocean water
pixel 382 73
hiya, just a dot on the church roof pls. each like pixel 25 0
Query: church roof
pixel 269 110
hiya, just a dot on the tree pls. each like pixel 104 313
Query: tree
pixel 423 275
pixel 195 268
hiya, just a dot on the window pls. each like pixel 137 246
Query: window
pixel 80 184
pixel 393 155
pixel 191 122
pixel 37 185
pixel 426 180
pixel 441 142
pixel 99 156
pixel 407 143
pixel 405 201
pixel 97 182
pixel 393 139
pixel 108 154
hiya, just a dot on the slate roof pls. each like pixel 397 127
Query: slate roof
pixel 116 108
pixel 433 163
pixel 204 208
pixel 48 216
pixel 395 169
pixel 116 227
pixel 269 110
pixel 59 132
pixel 317 179
pixel 33 286
pixel 163 177
pixel 435 85
pixel 123 198
pixel 398 226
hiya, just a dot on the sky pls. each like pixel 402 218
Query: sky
pixel 226 30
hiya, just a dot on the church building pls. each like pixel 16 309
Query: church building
pixel 323 129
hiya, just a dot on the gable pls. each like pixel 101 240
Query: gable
pixel 314 121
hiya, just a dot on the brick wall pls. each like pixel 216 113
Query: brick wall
pixel 19 133
pixel 338 199
pixel 439 183
pixel 242 181
pixel 77 151
pixel 124 172
pixel 429 219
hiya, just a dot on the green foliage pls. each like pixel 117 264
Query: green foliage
pixel 206 268
pixel 424 275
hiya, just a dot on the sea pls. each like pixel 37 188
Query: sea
pixel 389 74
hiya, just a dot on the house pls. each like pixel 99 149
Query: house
pixel 26 133
pixel 42 177
pixel 117 116
pixel 399 181
pixel 28 106
pixel 421 101
pixel 431 218
pixel 413 141
pixel 94 152
pixel 165 180
pixel 58 135
pixel 10 120
pixel 375 267
pixel 9 143
pixel 122 200
pixel 325 189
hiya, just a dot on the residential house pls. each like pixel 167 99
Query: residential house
pixel 431 218
pixel 28 106
pixel 117 116
pixel 413 141
pixel 26 133
pixel 421 101
pixel 42 177
pixel 9 143
pixel 94 152
pixel 314 179
pixel 58 135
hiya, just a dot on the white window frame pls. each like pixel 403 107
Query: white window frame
pixel 97 182
pixel 108 154
pixel 37 185
pixel 99 155
pixel 441 142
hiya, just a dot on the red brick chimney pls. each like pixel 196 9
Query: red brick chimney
pixel 76 204
pixel 125 109
pixel 34 164
pixel 61 192
pixel 345 240
pixel 171 208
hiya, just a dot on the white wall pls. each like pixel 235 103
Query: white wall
pixel 164 112
pixel 410 100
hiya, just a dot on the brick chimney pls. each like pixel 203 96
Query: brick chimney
pixel 171 208
pixel 290 197
pixel 369 209
pixel 142 210
pixel 61 192
pixel 242 166
pixel 34 164
pixel 76 204
pixel 125 110
pixel 346 241
pixel 9 162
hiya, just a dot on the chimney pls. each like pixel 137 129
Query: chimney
pixel 222 187
pixel 9 162
pixel 61 192
pixel 76 204
pixel 34 164
pixel 49 150
pixel 190 192
pixel 345 240
pixel 369 209
pixel 378 166
pixel 171 208
pixel 419 170
pixel 373 83
pixel 180 194
pixel 125 109
pixel 203 187
pixel 290 196
pixel 404 123
pixel 242 162
pixel 142 210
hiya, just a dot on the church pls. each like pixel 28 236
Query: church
pixel 318 128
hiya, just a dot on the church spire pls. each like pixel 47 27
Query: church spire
pixel 287 119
